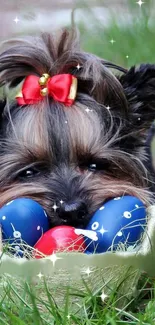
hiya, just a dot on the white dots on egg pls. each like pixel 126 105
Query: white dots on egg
pixel 95 225
pixel 88 233
pixel 127 214
pixel 17 234
pixel 17 248
pixel 4 217
pixel 119 234
pixel 9 202
pixel 117 198
pixel 136 205
pixel 45 213
pixel 38 228
pixel 101 208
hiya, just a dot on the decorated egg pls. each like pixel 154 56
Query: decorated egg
pixel 60 238
pixel 120 220
pixel 23 221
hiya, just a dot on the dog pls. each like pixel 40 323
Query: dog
pixel 72 158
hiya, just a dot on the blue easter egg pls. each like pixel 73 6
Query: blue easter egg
pixel 120 220
pixel 23 221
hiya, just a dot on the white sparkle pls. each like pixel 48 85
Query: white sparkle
pixel 4 217
pixel 40 275
pixel 16 20
pixel 78 66
pixel 38 228
pixel 139 118
pixel 102 208
pixel 112 41
pixel 53 258
pixel 61 201
pixel 140 3
pixel 119 234
pixel 103 296
pixel 87 110
pixel 102 231
pixel 108 107
pixel 66 122
pixel 87 271
pixel 55 207
pixel 127 56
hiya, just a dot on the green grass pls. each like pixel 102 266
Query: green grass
pixel 135 41
pixel 25 303
pixel 33 303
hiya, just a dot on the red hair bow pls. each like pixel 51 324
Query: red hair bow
pixel 61 87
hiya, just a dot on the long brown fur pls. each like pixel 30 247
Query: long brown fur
pixel 48 151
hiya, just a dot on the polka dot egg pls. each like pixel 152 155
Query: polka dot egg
pixel 120 220
pixel 23 221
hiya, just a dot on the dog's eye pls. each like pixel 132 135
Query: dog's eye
pixel 92 167
pixel 99 166
pixel 27 173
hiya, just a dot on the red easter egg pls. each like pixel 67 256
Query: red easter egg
pixel 60 238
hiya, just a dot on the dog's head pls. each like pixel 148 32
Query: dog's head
pixel 72 159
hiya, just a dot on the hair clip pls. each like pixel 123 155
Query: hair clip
pixel 61 87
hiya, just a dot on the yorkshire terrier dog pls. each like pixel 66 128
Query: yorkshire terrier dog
pixel 75 136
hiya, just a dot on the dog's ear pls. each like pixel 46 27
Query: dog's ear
pixel 139 88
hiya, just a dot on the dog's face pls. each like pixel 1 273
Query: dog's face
pixel 72 159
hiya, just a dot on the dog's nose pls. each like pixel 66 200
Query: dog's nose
pixel 72 210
